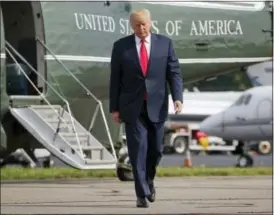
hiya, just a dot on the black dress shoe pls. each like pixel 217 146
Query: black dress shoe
pixel 151 197
pixel 141 203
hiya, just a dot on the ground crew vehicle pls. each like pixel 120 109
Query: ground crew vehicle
pixel 181 136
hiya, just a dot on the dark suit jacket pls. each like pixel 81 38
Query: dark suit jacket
pixel 128 85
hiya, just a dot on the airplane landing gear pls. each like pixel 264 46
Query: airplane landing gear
pixel 245 160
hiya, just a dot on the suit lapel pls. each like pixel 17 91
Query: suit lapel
pixel 152 50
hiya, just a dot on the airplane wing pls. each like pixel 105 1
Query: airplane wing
pixel 202 104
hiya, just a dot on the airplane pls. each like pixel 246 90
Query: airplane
pixel 249 118
pixel 200 105
pixel 55 59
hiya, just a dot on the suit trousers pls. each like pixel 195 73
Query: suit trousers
pixel 145 147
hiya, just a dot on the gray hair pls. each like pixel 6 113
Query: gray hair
pixel 138 12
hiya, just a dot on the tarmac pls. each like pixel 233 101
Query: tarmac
pixel 175 160
pixel 186 195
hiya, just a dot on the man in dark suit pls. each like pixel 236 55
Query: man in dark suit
pixel 142 65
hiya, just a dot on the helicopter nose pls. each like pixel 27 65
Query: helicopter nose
pixel 212 125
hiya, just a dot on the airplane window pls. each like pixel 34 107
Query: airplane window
pixel 247 99
pixel 240 101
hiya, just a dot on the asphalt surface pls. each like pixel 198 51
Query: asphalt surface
pixel 203 160
pixel 203 195
pixel 214 160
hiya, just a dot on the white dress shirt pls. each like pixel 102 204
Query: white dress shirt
pixel 147 44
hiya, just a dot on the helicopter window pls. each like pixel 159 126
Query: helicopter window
pixel 107 3
pixel 240 101
pixel 247 99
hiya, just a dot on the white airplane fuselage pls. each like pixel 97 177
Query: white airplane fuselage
pixel 249 118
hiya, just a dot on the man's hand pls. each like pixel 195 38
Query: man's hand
pixel 116 116
pixel 178 106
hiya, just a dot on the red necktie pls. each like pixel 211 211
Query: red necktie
pixel 143 60
pixel 143 57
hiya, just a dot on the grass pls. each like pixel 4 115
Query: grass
pixel 70 173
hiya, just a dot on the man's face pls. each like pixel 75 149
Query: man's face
pixel 141 25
